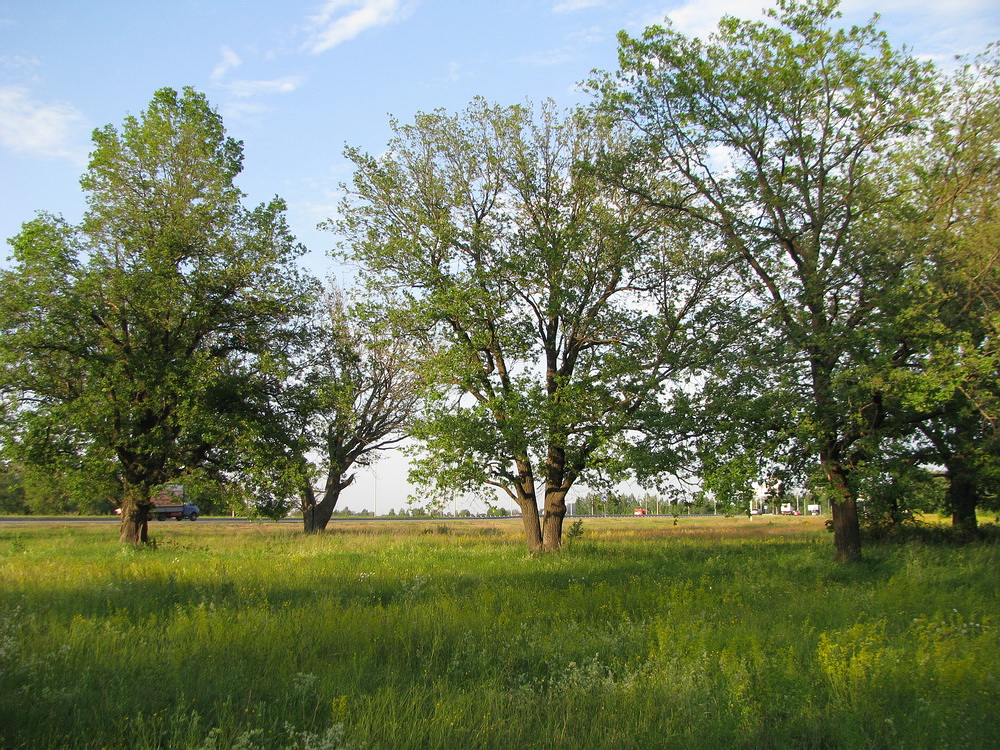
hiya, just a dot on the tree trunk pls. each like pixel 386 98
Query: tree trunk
pixel 846 527
pixel 316 515
pixel 555 513
pixel 846 531
pixel 134 528
pixel 962 497
pixel 532 526
pixel 527 501
pixel 308 496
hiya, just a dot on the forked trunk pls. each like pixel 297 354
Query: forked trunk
pixel 316 515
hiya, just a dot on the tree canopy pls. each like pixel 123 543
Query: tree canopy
pixel 351 397
pixel 138 345
pixel 550 307
pixel 777 136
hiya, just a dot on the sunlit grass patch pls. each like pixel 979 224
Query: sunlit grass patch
pixel 705 634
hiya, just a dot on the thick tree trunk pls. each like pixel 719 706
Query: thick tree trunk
pixel 532 528
pixel 962 497
pixel 555 514
pixel 308 496
pixel 316 518
pixel 134 528
pixel 846 531
pixel 316 515
pixel 846 526
pixel 527 501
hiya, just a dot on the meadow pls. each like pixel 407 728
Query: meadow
pixel 643 633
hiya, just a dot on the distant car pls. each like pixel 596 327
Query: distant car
pixel 755 511
pixel 640 512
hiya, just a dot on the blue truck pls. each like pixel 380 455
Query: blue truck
pixel 170 502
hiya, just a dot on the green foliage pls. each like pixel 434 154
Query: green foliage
pixel 952 172
pixel 724 634
pixel 548 304
pixel 608 503
pixel 575 531
pixel 137 345
pixel 778 138
pixel 353 394
pixel 12 492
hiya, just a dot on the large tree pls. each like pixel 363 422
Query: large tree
pixel 137 345
pixel 545 302
pixel 351 398
pixel 954 178
pixel 777 135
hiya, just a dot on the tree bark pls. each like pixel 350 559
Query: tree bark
pixel 846 531
pixel 532 528
pixel 527 501
pixel 316 515
pixel 134 528
pixel 846 526
pixel 962 496
pixel 552 522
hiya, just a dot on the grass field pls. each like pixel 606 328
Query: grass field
pixel 711 633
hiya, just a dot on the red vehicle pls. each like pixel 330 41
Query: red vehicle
pixel 640 512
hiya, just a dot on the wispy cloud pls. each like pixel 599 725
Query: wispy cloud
pixel 339 21
pixel 230 61
pixel 242 87
pixel 28 126
pixel 283 85
pixel 18 62
pixel 956 26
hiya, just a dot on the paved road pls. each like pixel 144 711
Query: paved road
pixel 13 520
pixel 69 520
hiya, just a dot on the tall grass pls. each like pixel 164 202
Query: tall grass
pixel 708 634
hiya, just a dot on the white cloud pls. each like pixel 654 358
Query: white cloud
pixel 591 35
pixel 933 30
pixel 243 88
pixel 699 18
pixel 285 85
pixel 956 26
pixel 19 62
pixel 230 61
pixel 342 20
pixel 31 127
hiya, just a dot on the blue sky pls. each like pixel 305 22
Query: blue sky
pixel 297 80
